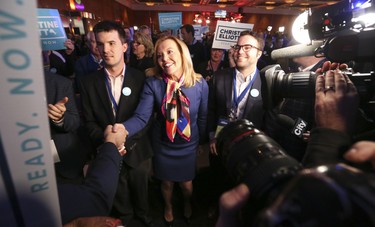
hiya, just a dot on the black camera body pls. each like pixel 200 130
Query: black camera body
pixel 276 85
pixel 346 35
pixel 343 36
pixel 285 194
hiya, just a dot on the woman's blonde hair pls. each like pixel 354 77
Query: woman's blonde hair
pixel 191 77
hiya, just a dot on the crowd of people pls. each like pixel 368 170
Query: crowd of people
pixel 157 101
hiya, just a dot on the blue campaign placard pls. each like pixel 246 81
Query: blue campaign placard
pixel 51 29
pixel 170 21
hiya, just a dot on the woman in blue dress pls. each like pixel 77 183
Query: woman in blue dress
pixel 179 97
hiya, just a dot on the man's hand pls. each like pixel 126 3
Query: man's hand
pixel 69 44
pixel 363 151
pixel 336 100
pixel 231 203
pixel 56 112
pixel 213 147
pixel 116 135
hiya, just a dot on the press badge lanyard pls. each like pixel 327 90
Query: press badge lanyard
pixel 110 92
pixel 237 100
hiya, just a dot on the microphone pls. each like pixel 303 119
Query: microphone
pixel 299 50
pixel 297 127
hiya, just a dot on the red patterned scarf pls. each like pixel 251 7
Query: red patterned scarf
pixel 175 109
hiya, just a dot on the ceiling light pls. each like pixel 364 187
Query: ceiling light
pixel 269 7
pixel 150 4
pixel 270 3
pixel 221 6
pixel 289 1
pixel 186 4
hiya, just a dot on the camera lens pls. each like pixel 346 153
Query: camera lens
pixel 252 157
pixel 294 85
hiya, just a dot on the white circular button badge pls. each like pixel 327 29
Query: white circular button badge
pixel 254 93
pixel 126 91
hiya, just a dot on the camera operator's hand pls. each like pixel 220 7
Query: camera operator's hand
pixel 331 66
pixel 336 100
pixel 231 203
pixel 362 151
pixel 213 147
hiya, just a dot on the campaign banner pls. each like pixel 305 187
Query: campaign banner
pixel 170 21
pixel 28 190
pixel 51 29
pixel 227 33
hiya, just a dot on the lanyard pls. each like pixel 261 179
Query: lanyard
pixel 115 106
pixel 237 100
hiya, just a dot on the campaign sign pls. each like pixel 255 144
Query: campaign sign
pixel 28 190
pixel 197 31
pixel 51 29
pixel 227 33
pixel 170 21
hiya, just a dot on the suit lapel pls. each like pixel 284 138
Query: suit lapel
pixel 128 82
pixel 103 95
pixel 250 99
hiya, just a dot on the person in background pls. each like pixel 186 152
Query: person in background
pixel 196 48
pixel 143 49
pixel 64 121
pixel 88 63
pixel 62 61
pixel 266 59
pixel 179 96
pixel 145 30
pixel 110 96
pixel 129 40
pixel 216 62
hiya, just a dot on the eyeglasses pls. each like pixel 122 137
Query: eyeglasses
pixel 246 47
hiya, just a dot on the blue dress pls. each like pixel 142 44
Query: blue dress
pixel 173 161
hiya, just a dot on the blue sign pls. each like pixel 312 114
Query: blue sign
pixel 170 21
pixel 51 29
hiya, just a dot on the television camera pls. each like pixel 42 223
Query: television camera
pixel 342 33
pixel 285 194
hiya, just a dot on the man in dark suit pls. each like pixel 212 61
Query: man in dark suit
pixel 94 197
pixel 110 96
pixel 62 61
pixel 88 63
pixel 64 123
pixel 235 93
pixel 196 48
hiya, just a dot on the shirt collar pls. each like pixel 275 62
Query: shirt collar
pixel 240 78
pixel 121 75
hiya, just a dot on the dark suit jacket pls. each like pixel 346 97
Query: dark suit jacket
pixel 84 66
pixel 97 111
pixel 220 100
pixel 60 67
pixel 66 139
pixel 95 196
